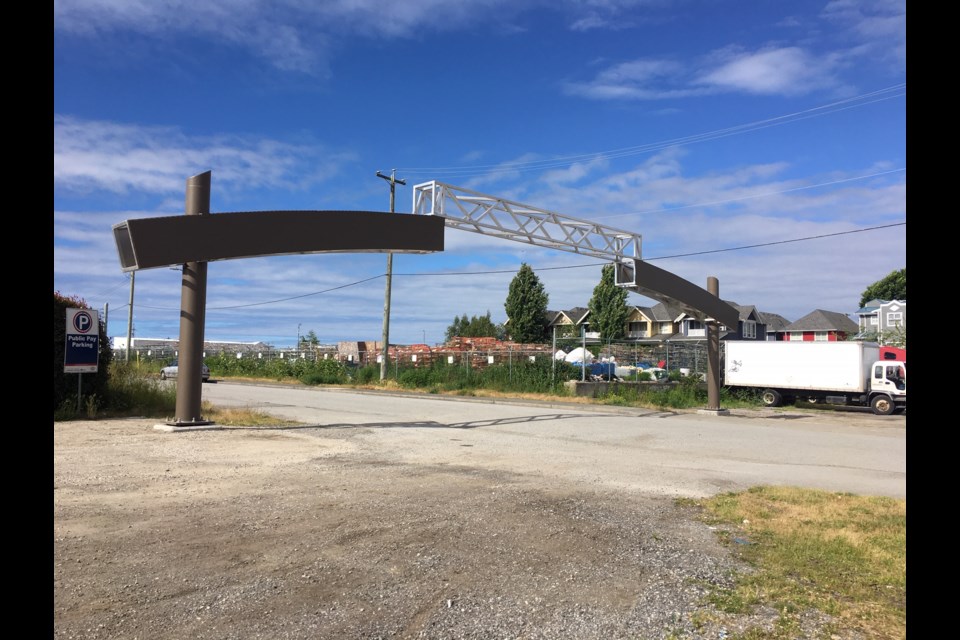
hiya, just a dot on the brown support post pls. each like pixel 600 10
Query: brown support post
pixel 193 305
pixel 713 353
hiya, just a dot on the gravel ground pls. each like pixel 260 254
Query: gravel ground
pixel 307 533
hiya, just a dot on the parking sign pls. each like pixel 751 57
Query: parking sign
pixel 82 352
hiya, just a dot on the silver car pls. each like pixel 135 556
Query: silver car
pixel 170 371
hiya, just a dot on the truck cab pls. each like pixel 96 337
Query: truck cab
pixel 888 386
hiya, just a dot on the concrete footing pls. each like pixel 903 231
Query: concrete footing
pixel 193 426
pixel 714 412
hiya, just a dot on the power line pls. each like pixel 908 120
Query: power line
pixel 678 255
pixel 575 266
pixel 814 112
pixel 757 195
pixel 616 215
pixel 770 244
pixel 306 295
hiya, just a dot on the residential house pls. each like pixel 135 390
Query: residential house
pixel 883 321
pixel 652 325
pixel 567 323
pixel 662 323
pixel 751 325
pixel 820 325
pixel 776 325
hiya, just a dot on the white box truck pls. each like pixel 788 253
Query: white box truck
pixel 845 373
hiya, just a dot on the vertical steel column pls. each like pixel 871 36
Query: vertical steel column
pixel 133 278
pixel 392 179
pixel 193 305
pixel 713 353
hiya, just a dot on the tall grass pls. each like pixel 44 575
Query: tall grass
pixel 838 553
pixel 135 388
pixel 522 376
pixel 129 392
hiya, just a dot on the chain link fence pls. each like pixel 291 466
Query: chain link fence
pixel 690 356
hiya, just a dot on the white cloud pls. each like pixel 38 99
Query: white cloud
pixel 749 205
pixel 120 158
pixel 770 71
pixel 879 27
pixel 773 71
pixel 292 34
pixel 642 79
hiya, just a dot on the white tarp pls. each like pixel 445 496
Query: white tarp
pixel 579 355
pixel 560 354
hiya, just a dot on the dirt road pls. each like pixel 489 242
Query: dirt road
pixel 312 532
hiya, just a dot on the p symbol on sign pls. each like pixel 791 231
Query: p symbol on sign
pixel 82 322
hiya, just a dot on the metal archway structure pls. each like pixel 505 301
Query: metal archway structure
pixel 476 212
pixel 199 237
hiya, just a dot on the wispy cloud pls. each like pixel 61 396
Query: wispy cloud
pixel 752 204
pixel 770 71
pixel 774 71
pixel 813 62
pixel 292 35
pixel 120 158
pixel 879 27
pixel 643 79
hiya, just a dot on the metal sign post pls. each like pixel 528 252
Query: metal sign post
pixel 82 348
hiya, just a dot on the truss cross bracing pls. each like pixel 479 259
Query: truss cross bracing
pixel 492 216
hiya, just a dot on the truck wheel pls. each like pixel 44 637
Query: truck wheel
pixel 813 399
pixel 771 398
pixel 882 405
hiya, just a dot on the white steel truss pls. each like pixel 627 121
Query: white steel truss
pixel 492 216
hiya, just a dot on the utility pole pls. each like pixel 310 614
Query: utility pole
pixel 392 179
pixel 133 276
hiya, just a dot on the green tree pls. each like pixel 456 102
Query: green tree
pixel 608 307
pixel 457 327
pixel 892 287
pixel 526 307
pixel 475 327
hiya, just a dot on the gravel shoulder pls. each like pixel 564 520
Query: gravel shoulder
pixel 307 532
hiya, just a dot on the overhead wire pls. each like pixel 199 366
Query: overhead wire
pixel 501 271
pixel 532 165
pixel 887 93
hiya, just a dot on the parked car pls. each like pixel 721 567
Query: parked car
pixel 170 371
pixel 658 374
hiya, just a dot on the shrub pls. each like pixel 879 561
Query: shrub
pixel 366 374
pixel 323 372
pixel 133 392
pixel 92 385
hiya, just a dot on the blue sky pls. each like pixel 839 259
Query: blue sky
pixel 761 143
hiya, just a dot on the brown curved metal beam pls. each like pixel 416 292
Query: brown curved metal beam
pixel 673 290
pixel 148 243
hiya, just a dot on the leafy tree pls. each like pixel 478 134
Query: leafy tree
pixel 608 307
pixel 526 307
pixel 457 328
pixel 892 287
pixel 475 327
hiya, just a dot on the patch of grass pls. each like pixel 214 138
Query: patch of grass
pixel 131 391
pixel 840 554
pixel 134 390
pixel 242 417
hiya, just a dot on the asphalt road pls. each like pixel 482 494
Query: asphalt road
pixel 681 454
